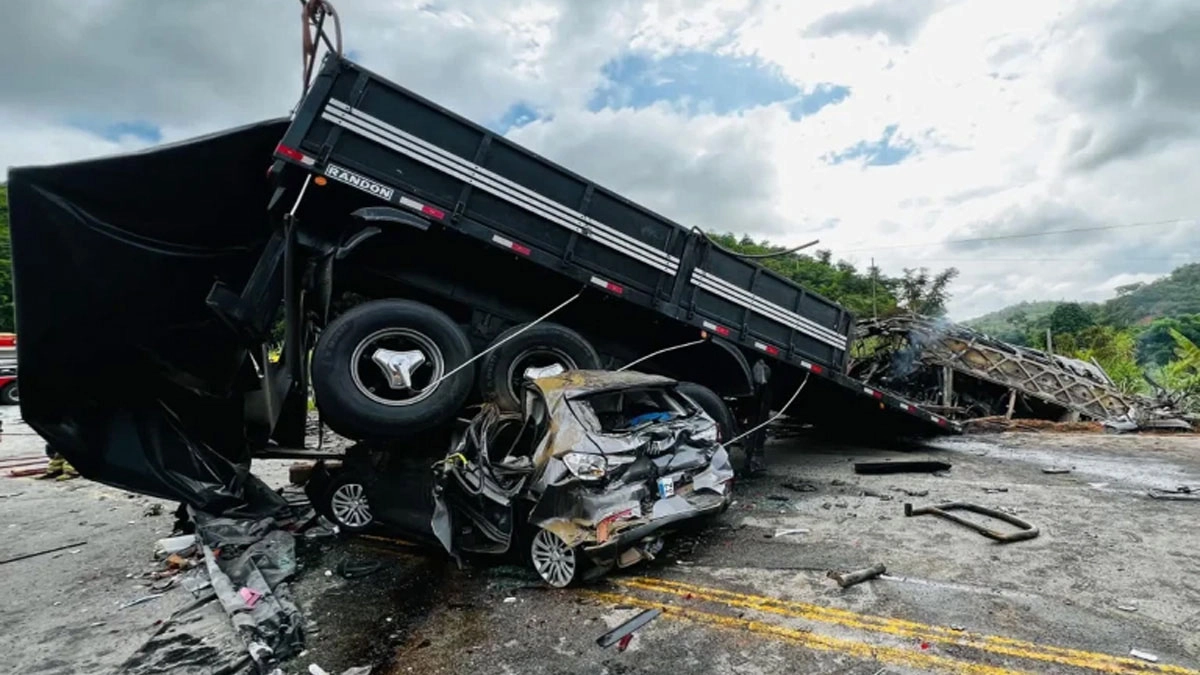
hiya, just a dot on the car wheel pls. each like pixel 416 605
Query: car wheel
pixel 9 394
pixel 375 367
pixel 346 503
pixel 556 562
pixel 543 346
pixel 713 405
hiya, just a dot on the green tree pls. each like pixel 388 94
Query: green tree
pixel 1156 344
pixel 921 293
pixel 1114 349
pixel 1070 317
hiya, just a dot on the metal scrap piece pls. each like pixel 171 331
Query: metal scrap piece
pixel 617 634
pixel 847 579
pixel 1027 531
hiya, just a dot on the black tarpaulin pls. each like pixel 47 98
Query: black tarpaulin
pixel 124 369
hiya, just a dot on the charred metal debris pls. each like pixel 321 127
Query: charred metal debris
pixel 966 375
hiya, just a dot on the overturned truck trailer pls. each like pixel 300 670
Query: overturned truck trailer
pixel 392 240
pixel 965 374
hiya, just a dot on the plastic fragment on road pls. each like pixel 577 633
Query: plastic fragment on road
pixel 1055 469
pixel 1145 656
pixel 250 596
pixel 789 531
pixel 627 629
pixel 169 545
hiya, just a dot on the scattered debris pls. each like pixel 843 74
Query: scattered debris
pixel 880 496
pixel 153 509
pixel 798 486
pixel 39 553
pixel 1055 469
pixel 912 493
pixel 1182 493
pixel 1145 656
pixel 141 600
pixel 178 562
pixel 778 498
pixel 847 579
pixel 789 531
pixel 165 547
pixel 994 490
pixel 1026 531
pixel 509 600
pixel 1127 608
pixel 249 596
pixel 623 643
pixel 917 466
pixel 626 629
pixel 356 570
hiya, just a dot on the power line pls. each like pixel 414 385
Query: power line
pixel 1025 235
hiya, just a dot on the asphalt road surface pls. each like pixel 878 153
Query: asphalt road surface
pixel 1112 570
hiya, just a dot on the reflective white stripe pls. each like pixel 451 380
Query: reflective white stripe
pixel 753 302
pixel 597 235
pixel 307 161
pixel 506 243
pixel 366 125
pixel 411 203
pixel 606 285
pixel 767 308
pixel 868 391
pixel 374 129
pixel 806 364
pixel 933 418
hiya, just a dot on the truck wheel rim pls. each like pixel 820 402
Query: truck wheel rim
pixel 15 394
pixel 349 505
pixel 553 559
pixel 407 380
pixel 535 357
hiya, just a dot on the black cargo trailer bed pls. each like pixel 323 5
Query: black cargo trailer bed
pixel 356 128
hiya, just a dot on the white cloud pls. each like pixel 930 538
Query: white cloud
pixel 1024 116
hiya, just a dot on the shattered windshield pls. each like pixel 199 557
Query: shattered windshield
pixel 620 411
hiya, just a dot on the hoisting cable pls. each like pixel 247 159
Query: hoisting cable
pixel 661 351
pixel 755 256
pixel 501 343
pixel 773 417
pixel 312 17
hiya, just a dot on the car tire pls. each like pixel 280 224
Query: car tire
pixel 9 394
pixel 360 400
pixel 345 503
pixel 542 345
pixel 557 563
pixel 714 405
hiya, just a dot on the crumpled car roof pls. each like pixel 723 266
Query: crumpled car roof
pixel 576 383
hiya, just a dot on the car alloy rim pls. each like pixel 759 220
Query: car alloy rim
pixel 553 559
pixel 396 366
pixel 15 393
pixel 349 505
pixel 533 359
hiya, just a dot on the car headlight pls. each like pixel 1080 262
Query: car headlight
pixel 584 466
pixel 594 467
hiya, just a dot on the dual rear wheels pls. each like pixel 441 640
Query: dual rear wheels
pixel 393 368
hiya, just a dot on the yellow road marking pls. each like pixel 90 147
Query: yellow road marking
pixel 884 654
pixel 904 628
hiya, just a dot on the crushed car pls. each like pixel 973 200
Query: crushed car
pixel 588 476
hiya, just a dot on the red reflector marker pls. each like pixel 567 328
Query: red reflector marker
pixel 293 154
pixel 436 213
pixel 608 286
pixel 511 245
pixel 818 369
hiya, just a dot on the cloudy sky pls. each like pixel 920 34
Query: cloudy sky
pixel 892 129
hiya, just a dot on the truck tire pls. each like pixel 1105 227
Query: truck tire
pixel 373 366
pixel 714 405
pixel 9 395
pixel 543 345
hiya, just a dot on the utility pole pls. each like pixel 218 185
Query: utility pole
pixel 874 273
